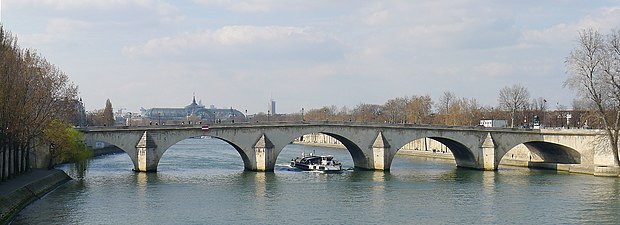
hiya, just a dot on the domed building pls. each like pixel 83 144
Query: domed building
pixel 192 113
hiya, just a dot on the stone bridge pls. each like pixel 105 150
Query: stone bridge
pixel 372 146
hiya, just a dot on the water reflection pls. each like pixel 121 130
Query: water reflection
pixel 488 198
pixel 260 193
pixel 378 197
pixel 78 169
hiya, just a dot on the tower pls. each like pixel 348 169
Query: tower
pixel 272 107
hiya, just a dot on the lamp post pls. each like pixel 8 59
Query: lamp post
pixel 302 114
pixel 268 111
pixel 159 117
pixel 232 113
pixel 129 119
pixel 246 115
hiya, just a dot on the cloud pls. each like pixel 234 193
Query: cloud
pixel 228 36
pixel 564 34
pixel 71 4
pixel 57 29
pixel 253 6
pixel 158 5
pixel 493 69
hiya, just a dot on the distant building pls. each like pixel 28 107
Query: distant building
pixel 79 118
pixel 193 112
pixel 272 107
pixel 494 123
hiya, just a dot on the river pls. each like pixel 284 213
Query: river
pixel 201 181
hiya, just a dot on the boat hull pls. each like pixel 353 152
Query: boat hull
pixel 324 168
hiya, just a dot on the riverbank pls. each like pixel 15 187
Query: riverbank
pixel 17 193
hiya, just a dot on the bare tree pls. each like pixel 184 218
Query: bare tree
pixel 445 101
pixel 395 110
pixel 513 99
pixel 419 109
pixel 366 112
pixel 539 104
pixel 594 72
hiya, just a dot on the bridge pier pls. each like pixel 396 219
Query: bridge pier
pixel 381 153
pixel 146 154
pixel 486 159
pixel 263 151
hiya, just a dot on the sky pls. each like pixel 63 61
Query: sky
pixel 305 54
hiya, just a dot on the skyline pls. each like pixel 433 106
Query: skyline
pixel 152 53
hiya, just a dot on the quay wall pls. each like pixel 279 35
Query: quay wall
pixel 12 203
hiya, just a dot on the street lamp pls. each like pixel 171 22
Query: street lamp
pixel 129 119
pixel 268 111
pixel 246 115
pixel 159 116
pixel 232 114
pixel 302 114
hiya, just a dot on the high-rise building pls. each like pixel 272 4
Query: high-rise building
pixel 272 107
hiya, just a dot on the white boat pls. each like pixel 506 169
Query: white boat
pixel 311 162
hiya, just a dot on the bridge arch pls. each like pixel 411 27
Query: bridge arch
pixel 463 155
pixel 542 151
pixel 554 153
pixel 247 163
pixel 360 159
pixel 162 150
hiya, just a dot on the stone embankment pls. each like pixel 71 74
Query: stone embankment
pixel 17 193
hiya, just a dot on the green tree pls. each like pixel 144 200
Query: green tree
pixel 108 114
pixel 65 144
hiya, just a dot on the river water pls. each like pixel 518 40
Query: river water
pixel 201 181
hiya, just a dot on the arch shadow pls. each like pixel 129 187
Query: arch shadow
pixel 357 155
pixel 554 153
pixel 462 154
pixel 247 164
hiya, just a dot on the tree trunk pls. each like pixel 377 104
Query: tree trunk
pixel 10 158
pixel 2 161
pixel 5 161
pixel 15 159
pixel 24 156
pixel 30 148
pixel 50 164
